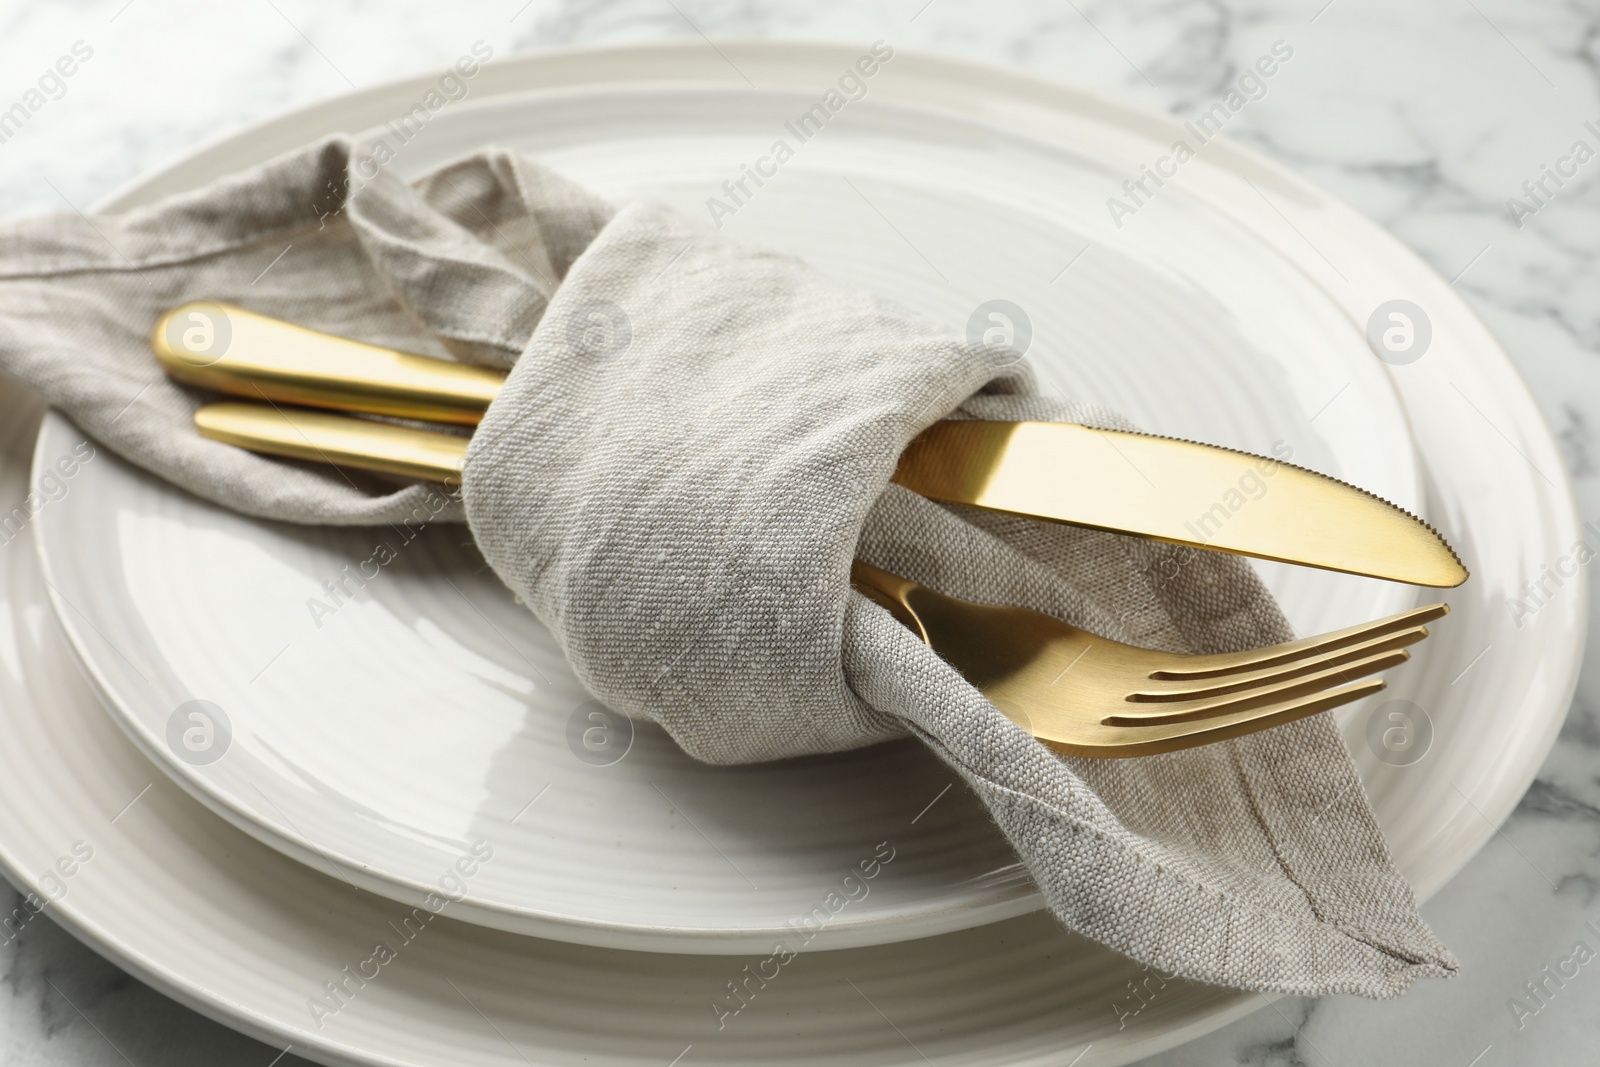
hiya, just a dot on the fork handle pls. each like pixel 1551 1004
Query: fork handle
pixel 323 437
pixel 887 591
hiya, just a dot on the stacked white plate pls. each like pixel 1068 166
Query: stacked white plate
pixel 394 829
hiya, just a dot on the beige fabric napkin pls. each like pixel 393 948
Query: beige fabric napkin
pixel 695 439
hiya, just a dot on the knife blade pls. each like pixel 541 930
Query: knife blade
pixel 1181 492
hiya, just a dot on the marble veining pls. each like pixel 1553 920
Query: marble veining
pixel 1429 116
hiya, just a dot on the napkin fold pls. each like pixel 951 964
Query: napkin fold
pixel 695 439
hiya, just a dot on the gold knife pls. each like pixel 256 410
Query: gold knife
pixel 1181 492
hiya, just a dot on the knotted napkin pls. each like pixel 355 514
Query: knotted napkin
pixel 695 439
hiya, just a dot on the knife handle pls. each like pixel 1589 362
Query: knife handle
pixel 230 350
pixel 342 440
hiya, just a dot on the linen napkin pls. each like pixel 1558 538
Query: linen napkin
pixel 695 440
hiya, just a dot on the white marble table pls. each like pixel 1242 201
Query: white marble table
pixel 1428 116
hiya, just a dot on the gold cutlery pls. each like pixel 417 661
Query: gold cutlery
pixel 1086 695
pixel 1076 692
pixel 1181 492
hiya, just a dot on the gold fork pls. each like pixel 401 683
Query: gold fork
pixel 1087 695
pixel 1076 692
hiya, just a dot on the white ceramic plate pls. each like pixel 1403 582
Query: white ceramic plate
pixel 430 711
pixel 248 936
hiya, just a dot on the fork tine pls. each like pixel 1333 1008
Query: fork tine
pixel 1123 741
pixel 1210 707
pixel 1257 658
pixel 1220 685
